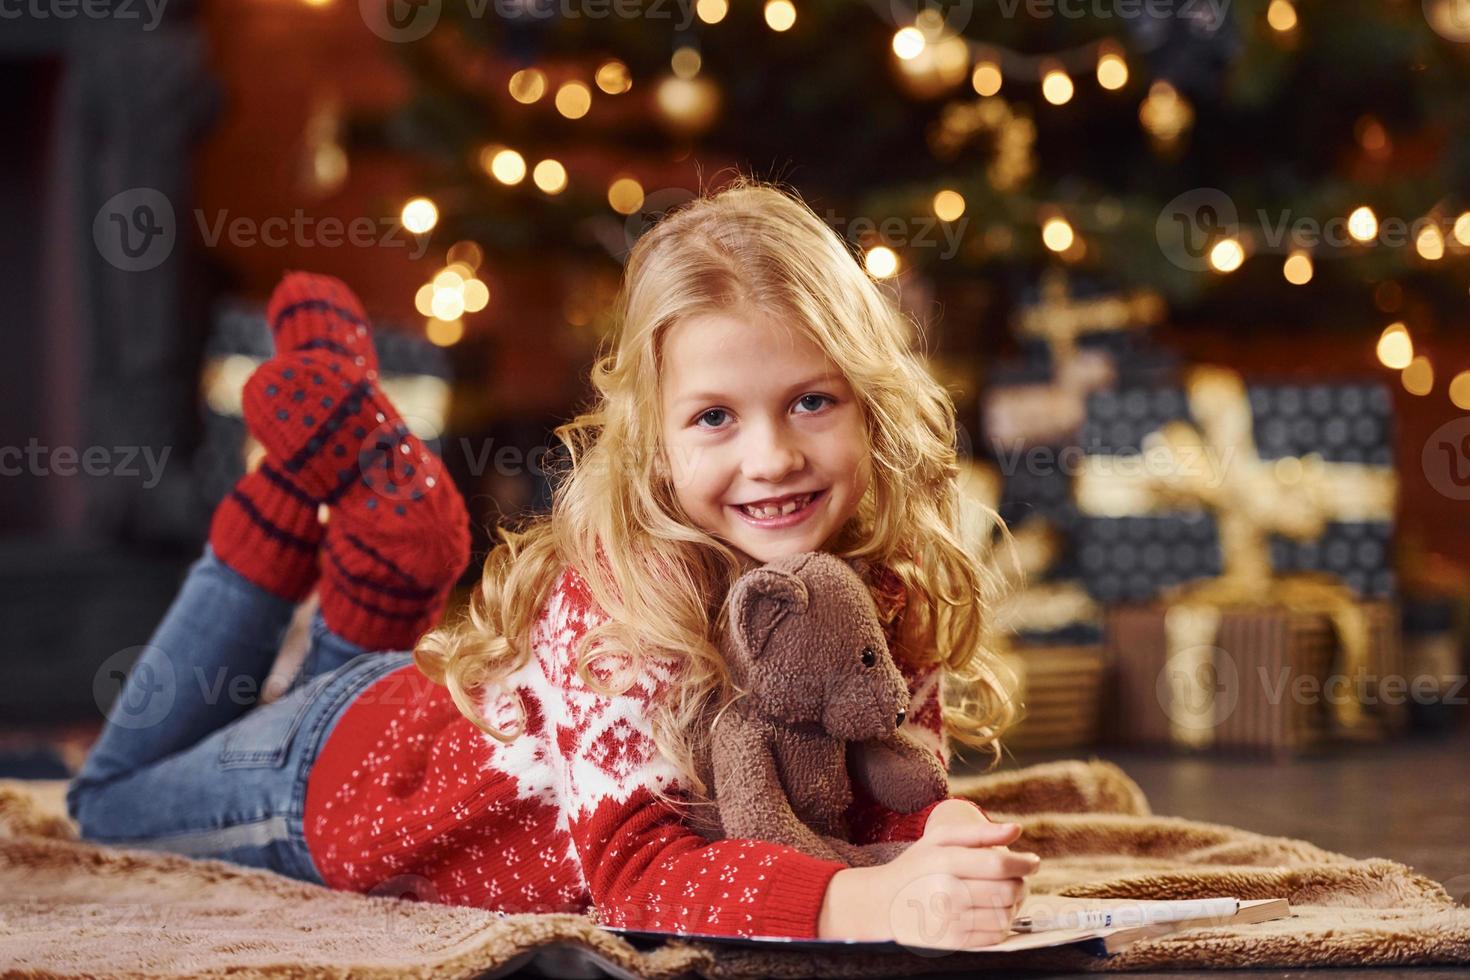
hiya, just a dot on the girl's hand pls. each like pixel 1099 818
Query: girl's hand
pixel 956 887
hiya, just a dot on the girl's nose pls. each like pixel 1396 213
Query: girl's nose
pixel 772 457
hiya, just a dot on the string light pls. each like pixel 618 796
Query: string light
pixel 686 62
pixel 1460 390
pixel 467 254
pixel 780 15
pixel 454 290
pixel 444 333
pixel 1418 377
pixel 573 100
pixel 625 195
pixel 1227 255
pixel 1363 224
pixel 613 78
pixel 1297 268
pixel 949 205
pixel 528 85
pixel 1430 243
pixel 712 11
pixel 986 78
pixel 881 262
pixel 1462 228
pixel 550 176
pixel 447 304
pixel 507 166
pixel 1281 15
pixel 1372 137
pixel 420 215
pixel 1395 347
pixel 1056 87
pixel 1165 113
pixel 908 43
pixel 476 296
pixel 1112 71
pixel 1057 234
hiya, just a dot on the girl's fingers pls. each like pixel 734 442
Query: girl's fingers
pixel 971 833
pixel 989 863
pixel 990 909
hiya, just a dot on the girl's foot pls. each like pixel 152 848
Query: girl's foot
pixel 267 528
pixel 314 312
pixel 398 534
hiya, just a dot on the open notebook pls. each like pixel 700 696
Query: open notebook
pixel 571 961
pixel 1101 942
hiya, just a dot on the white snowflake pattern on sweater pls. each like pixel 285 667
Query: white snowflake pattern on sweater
pixel 408 796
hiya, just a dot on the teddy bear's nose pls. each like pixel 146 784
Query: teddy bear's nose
pixel 900 717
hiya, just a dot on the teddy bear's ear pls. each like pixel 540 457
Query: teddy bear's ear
pixel 762 599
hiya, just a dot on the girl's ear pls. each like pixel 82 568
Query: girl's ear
pixel 762 599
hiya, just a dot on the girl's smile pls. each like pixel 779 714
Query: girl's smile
pixel 765 439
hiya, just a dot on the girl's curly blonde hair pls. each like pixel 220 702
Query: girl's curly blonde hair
pixel 660 579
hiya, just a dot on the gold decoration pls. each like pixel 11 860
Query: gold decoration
pixel 1166 114
pixel 1216 466
pixel 1013 137
pixel 1054 412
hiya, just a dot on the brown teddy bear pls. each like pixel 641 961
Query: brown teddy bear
pixel 821 705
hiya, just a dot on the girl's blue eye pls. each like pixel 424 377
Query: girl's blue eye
pixel 721 413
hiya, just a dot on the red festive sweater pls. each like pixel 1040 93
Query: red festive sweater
pixel 408 798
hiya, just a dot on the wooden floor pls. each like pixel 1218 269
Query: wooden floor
pixel 1408 801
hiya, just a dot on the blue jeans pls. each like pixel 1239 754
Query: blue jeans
pixel 188 762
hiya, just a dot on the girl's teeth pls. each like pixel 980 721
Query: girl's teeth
pixel 789 507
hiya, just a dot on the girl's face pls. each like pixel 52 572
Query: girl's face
pixel 764 437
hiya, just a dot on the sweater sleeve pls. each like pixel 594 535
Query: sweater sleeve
pixel 645 867
pixel 869 822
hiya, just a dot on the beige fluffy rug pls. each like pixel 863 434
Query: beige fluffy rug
pixel 70 909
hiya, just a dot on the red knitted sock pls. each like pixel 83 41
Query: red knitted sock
pixel 314 312
pixel 266 529
pixel 398 533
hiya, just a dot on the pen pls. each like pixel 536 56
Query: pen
pixel 1137 914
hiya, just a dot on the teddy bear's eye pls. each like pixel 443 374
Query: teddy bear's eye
pixel 869 657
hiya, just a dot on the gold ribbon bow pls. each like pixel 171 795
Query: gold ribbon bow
pixel 1216 466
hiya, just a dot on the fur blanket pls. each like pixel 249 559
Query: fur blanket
pixel 73 909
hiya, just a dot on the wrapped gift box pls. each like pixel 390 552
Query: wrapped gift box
pixel 1262 687
pixel 1126 557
